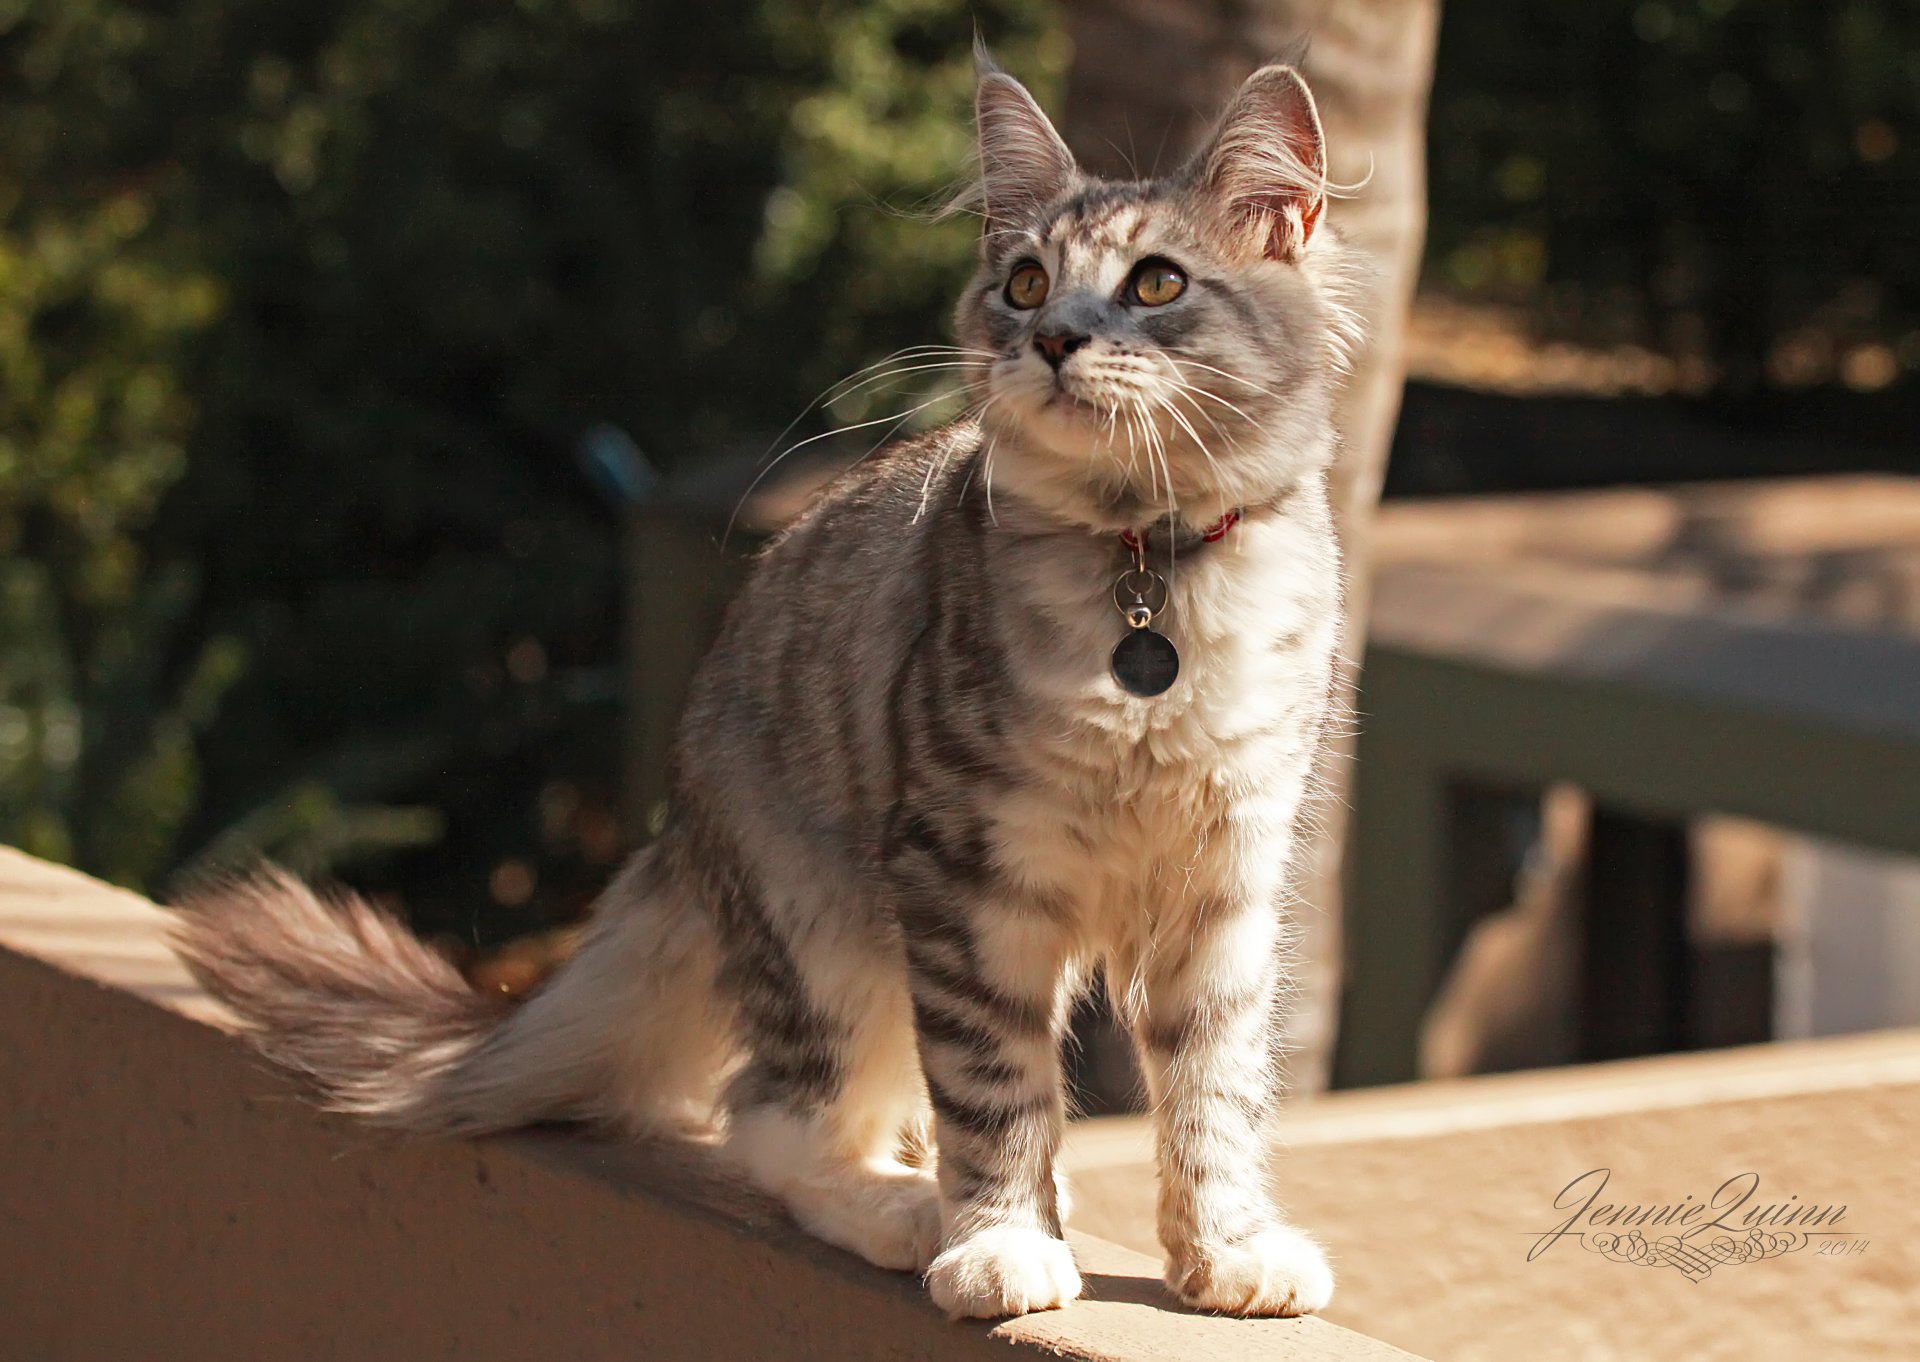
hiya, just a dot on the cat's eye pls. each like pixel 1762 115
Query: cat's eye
pixel 1027 287
pixel 1157 282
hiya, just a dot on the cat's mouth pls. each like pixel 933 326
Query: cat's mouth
pixel 1062 402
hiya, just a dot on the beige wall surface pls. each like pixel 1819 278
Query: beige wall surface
pixel 1432 1197
pixel 163 1196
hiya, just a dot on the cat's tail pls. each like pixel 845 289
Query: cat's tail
pixel 630 1031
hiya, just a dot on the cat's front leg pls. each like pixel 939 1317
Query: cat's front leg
pixel 1205 1044
pixel 989 1001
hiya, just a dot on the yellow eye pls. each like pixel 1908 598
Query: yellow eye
pixel 1156 283
pixel 1027 287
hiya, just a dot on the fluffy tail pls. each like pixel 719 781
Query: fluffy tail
pixel 629 1032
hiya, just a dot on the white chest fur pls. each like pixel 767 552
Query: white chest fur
pixel 1139 813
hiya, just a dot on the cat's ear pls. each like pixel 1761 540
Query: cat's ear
pixel 1266 164
pixel 1024 165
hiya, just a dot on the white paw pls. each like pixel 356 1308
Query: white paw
pixel 1279 1271
pixel 1005 1270
pixel 892 1219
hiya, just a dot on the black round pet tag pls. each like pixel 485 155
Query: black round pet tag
pixel 1145 663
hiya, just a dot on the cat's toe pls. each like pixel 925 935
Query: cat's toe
pixel 1279 1271
pixel 905 1233
pixel 891 1219
pixel 1006 1270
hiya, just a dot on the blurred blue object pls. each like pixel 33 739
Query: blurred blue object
pixel 615 466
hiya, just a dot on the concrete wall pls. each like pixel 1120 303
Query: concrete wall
pixel 1431 1196
pixel 164 1196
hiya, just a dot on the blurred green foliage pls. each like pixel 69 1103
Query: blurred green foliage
pixel 1737 181
pixel 303 309
pixel 98 310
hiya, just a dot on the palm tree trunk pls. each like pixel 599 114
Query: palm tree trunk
pixel 1147 76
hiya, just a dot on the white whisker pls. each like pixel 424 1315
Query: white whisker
pixel 992 445
pixel 936 468
pixel 1245 382
pixel 972 357
pixel 1195 388
pixel 761 476
pixel 1181 394
pixel 1194 436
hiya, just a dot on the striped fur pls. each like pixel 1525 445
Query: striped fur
pixel 912 811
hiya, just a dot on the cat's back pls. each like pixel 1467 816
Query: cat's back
pixel 881 506
pixel 797 680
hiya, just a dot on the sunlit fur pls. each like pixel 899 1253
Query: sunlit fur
pixel 912 811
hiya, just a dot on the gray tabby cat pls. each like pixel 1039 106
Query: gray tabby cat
pixel 913 805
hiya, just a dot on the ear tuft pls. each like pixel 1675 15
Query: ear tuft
pixel 1266 164
pixel 1023 163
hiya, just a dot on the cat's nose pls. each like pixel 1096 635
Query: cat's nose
pixel 1055 346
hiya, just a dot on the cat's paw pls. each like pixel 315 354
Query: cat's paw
pixel 1001 1271
pixel 1279 1271
pixel 892 1219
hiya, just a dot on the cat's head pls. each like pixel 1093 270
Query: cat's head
pixel 1157 343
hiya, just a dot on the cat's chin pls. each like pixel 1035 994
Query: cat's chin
pixel 1073 460
pixel 1072 406
pixel 1070 428
pixel 1077 481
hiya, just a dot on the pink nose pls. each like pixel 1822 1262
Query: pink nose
pixel 1055 346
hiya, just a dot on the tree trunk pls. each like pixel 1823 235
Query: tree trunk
pixel 1147 77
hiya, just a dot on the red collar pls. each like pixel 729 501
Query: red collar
pixel 1136 540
